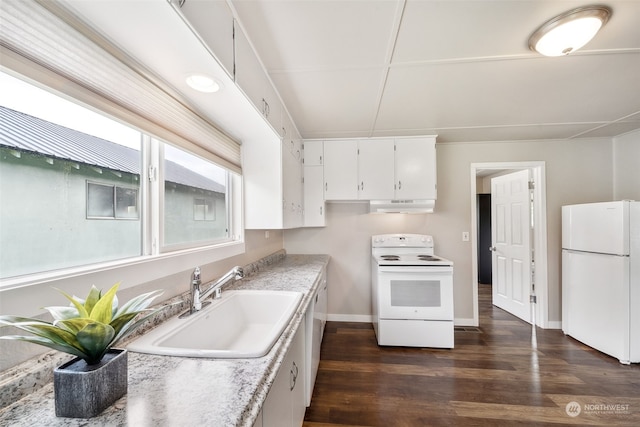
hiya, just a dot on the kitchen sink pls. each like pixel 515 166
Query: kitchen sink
pixel 240 324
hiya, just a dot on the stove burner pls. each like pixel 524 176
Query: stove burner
pixel 390 257
pixel 427 258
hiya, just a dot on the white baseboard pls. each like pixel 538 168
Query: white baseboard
pixel 367 318
pixel 554 324
pixel 360 318
pixel 465 322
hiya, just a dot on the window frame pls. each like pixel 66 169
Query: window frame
pixel 114 194
pixel 204 213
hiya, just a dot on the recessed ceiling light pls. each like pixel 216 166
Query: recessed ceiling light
pixel 569 31
pixel 203 83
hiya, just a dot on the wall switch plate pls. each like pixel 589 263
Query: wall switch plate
pixel 465 236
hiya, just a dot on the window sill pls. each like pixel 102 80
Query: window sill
pixel 130 272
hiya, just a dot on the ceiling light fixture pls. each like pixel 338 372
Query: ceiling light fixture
pixel 203 83
pixel 569 31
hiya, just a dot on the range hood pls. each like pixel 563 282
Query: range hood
pixel 401 206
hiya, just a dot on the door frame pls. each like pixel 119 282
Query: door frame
pixel 539 235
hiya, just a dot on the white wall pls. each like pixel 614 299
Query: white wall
pixel 577 172
pixel 626 154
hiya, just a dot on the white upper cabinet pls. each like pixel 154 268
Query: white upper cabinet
pixel 401 168
pixel 313 153
pixel 313 171
pixel 375 169
pixel 252 79
pixel 341 169
pixel 293 203
pixel 314 205
pixel 416 168
pixel 212 22
pixel 272 175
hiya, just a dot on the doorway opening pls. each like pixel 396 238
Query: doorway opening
pixel 482 172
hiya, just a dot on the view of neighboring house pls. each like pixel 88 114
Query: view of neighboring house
pixel 70 198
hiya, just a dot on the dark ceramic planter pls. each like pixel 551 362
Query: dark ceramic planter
pixel 84 391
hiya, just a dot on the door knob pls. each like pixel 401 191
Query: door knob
pixel 492 248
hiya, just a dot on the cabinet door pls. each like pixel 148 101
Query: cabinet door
pixel 212 21
pixel 376 169
pixel 314 196
pixel 416 168
pixel 341 170
pixel 285 404
pixel 313 153
pixel 292 183
pixel 277 409
pixel 253 80
pixel 262 171
pixel 297 385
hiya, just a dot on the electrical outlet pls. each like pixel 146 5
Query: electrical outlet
pixel 465 236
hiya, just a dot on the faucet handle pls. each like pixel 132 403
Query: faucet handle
pixel 196 274
pixel 239 273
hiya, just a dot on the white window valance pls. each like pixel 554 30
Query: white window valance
pixel 43 42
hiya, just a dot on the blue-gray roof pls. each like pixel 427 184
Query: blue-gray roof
pixel 27 133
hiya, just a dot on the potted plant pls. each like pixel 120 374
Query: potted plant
pixel 88 329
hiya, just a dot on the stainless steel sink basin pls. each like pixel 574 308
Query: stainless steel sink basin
pixel 241 324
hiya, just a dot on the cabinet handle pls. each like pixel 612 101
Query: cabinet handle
pixel 326 186
pixel 320 210
pixel 320 159
pixel 362 186
pixel 293 377
pixel 298 154
pixel 399 185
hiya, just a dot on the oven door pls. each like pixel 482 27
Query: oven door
pixel 415 292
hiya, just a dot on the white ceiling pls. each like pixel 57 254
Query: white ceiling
pixel 459 69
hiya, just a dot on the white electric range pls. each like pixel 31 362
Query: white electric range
pixel 412 292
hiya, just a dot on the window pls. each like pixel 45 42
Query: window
pixel 111 201
pixel 204 210
pixel 195 199
pixel 90 200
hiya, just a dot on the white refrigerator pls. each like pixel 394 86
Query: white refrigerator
pixel 601 277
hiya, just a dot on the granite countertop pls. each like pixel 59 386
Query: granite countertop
pixel 180 391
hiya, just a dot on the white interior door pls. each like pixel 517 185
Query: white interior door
pixel 511 248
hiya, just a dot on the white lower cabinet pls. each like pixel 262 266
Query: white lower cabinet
pixel 285 403
pixel 316 320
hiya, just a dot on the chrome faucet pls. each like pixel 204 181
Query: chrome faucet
pixel 195 291
pixel 197 296
pixel 232 275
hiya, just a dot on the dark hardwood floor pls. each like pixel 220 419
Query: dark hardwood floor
pixel 493 377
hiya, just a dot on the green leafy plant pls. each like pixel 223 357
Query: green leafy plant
pixel 87 328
